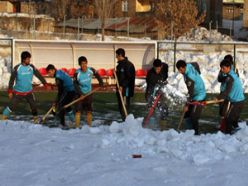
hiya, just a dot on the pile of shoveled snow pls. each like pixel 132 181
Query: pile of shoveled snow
pixel 206 148
pixel 184 145
pixel 203 34
pixel 36 155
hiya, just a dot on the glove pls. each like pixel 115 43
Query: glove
pixel 54 105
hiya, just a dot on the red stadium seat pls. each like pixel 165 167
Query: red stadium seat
pixel 140 73
pixel 43 71
pixel 65 70
pixel 71 72
pixel 110 72
pixel 102 72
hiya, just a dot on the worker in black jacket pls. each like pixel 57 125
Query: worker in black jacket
pixel 157 74
pixel 125 72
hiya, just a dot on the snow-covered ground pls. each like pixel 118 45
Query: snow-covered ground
pixel 33 155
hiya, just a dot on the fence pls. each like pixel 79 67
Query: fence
pixel 202 52
pixel 208 55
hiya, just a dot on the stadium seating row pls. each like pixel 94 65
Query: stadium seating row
pixel 102 72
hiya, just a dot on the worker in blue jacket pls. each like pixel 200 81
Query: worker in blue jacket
pixel 232 93
pixel 66 94
pixel 20 86
pixel 223 106
pixel 196 90
pixel 83 85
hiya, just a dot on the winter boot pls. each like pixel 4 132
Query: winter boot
pixel 6 113
pixel 77 119
pixel 89 118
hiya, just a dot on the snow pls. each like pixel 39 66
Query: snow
pixel 36 155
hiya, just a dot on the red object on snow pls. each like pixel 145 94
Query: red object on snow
pixel 43 71
pixel 137 156
pixel 141 73
pixel 71 72
pixel 102 72
pixel 110 72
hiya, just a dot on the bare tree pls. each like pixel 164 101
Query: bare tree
pixel 176 17
pixel 104 9
pixel 59 9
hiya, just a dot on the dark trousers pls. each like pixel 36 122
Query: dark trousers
pixel 30 98
pixel 127 101
pixel 194 113
pixel 233 115
pixel 65 99
pixel 85 104
pixel 223 107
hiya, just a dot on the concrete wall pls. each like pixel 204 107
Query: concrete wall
pixel 25 23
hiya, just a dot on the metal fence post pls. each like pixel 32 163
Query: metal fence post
pixel 158 49
pixel 175 55
pixel 234 56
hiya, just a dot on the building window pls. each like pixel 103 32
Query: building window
pixel 144 6
pixel 124 6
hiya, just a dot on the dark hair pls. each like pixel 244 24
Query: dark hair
pixel 120 52
pixel 225 63
pixel 81 59
pixel 50 67
pixel 229 58
pixel 25 55
pixel 157 63
pixel 180 63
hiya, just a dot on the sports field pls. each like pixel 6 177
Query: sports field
pixel 106 110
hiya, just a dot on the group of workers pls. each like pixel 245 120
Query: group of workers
pixel 69 89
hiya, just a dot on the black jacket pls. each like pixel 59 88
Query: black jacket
pixel 153 78
pixel 125 72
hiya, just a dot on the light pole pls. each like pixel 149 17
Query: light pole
pixel 233 19
pixel 64 26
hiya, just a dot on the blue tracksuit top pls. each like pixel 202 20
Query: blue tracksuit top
pixel 24 77
pixel 237 93
pixel 194 83
pixel 84 80
pixel 67 81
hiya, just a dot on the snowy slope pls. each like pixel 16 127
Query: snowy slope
pixel 36 155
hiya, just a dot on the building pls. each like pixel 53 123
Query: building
pixel 6 6
pixel 132 8
pixel 245 14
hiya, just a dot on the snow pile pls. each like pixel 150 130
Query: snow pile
pixel 25 15
pixel 36 155
pixel 184 146
pixel 203 34
pixel 5 69
pixel 209 66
